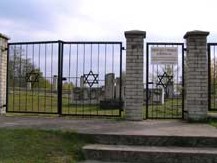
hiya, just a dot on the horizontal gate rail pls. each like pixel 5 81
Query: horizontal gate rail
pixel 29 43
pixel 65 42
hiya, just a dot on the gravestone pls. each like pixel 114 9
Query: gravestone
pixel 117 88
pixel 29 84
pixel 158 96
pixel 84 94
pixel 82 81
pixel 155 96
pixel 162 96
pixel 55 82
pixel 170 90
pixel 109 86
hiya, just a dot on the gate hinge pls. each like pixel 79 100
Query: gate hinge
pixel 123 48
pixel 185 49
pixel 4 49
pixel 3 106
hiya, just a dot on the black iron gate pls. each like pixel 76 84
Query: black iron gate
pixel 65 78
pixel 164 97
pixel 212 75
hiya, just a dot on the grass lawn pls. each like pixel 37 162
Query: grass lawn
pixel 46 102
pixel 213 122
pixel 28 101
pixel 39 146
pixel 172 108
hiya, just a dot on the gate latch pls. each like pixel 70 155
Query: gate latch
pixel 64 79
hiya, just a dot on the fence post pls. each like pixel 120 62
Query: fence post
pixel 3 72
pixel 196 79
pixel 134 75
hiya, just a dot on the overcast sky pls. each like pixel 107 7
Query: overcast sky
pixel 103 20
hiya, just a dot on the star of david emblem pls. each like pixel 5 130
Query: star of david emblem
pixel 32 77
pixel 165 80
pixel 91 78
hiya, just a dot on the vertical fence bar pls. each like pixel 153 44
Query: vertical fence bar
pixel 7 83
pixel 214 77
pixel 26 86
pixel 60 75
pixel 33 70
pixel 39 65
pixel 51 75
pixel 183 80
pixel 14 76
pixel 209 78
pixel 120 89
pixel 19 77
pixel 147 71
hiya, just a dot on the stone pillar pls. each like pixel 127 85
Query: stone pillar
pixel 55 83
pixel 3 72
pixel 109 86
pixel 196 76
pixel 134 75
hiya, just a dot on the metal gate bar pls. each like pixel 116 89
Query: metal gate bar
pixel 158 77
pixel 43 79
pixel 28 89
pixel 212 76
pixel 95 68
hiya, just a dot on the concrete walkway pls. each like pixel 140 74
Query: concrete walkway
pixel 111 126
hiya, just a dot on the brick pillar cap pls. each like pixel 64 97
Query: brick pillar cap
pixel 135 33
pixel 4 36
pixel 196 33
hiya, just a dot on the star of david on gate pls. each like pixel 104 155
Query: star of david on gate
pixel 161 80
pixel 32 77
pixel 91 78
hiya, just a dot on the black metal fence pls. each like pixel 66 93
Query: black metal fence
pixel 163 90
pixel 66 78
pixel 212 73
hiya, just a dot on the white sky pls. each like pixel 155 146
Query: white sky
pixel 105 20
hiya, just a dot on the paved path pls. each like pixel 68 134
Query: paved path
pixel 111 126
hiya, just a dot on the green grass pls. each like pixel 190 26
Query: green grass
pixel 213 123
pixel 32 101
pixel 47 102
pixel 214 101
pixel 39 146
pixel 172 108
